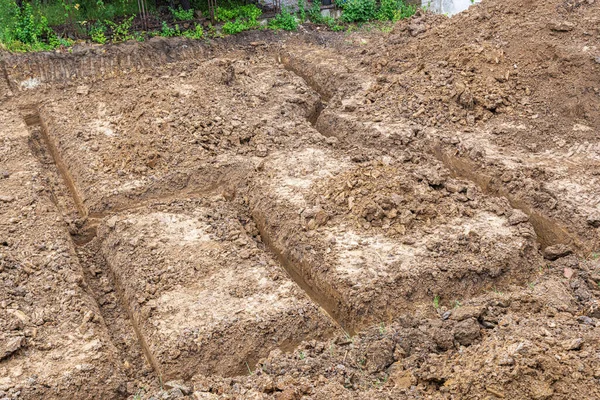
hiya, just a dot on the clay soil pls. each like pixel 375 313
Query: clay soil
pixel 365 215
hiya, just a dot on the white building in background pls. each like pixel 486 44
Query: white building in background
pixel 449 7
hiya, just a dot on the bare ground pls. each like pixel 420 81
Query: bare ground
pixel 411 214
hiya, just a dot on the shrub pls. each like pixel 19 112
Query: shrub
pixel 284 20
pixel 182 15
pixel 314 12
pixel 394 10
pixel 121 32
pixel 358 10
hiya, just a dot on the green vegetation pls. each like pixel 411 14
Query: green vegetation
pixel 182 15
pixel 361 11
pixel 284 20
pixel 34 25
pixel 436 302
pixel 239 18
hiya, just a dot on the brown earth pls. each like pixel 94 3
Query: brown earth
pixel 411 214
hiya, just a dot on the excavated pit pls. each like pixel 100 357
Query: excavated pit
pixel 232 208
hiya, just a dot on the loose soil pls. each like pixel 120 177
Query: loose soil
pixel 411 214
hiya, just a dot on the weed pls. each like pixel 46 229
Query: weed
pixel 302 10
pixel 98 33
pixel 302 355
pixel 457 304
pixel 121 32
pixel 314 12
pixel 382 328
pixel 247 366
pixel 531 285
pixel 182 15
pixel 167 31
pixel 436 302
pixel 196 33
pixel 284 20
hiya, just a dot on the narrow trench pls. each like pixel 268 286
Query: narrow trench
pixel 548 231
pixel 295 271
pixel 99 279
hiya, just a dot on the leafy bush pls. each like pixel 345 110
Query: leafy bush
pixel 167 31
pixel 284 20
pixel 358 10
pixel 394 10
pixel 247 12
pixel 182 15
pixel 22 29
pixel 240 18
pixel 121 32
pixel 314 12
pixel 302 10
pixel 98 33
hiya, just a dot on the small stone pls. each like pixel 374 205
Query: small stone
pixel 6 199
pixel 83 90
pixel 557 251
pixel 562 26
pixel 594 218
pixel 462 313
pixel 574 344
pixel 178 385
pixel 467 331
pixel 11 346
pixel 568 273
pixel 586 320
pixel 517 217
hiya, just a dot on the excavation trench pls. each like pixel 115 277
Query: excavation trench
pixel 122 320
pixel 91 260
pixel 300 272
pixel 548 231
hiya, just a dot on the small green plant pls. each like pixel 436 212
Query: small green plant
pixel 284 20
pixel 436 302
pixel 121 32
pixel 182 15
pixel 98 33
pixel 302 355
pixel 249 370
pixel 314 12
pixel 196 33
pixel 302 10
pixel 382 328
pixel 167 31
pixel 457 304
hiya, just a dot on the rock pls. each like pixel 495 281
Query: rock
pixel 557 251
pixel 177 385
pixel 83 90
pixel 467 331
pixel 11 346
pixel 205 396
pixel 597 59
pixel 594 218
pixel 574 344
pixel 462 313
pixel 517 217
pixel 562 26
pixel 586 320
pixel 6 199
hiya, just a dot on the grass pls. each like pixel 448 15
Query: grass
pixel 436 302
